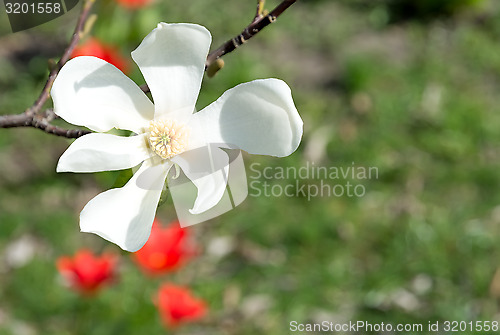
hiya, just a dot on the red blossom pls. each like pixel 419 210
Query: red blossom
pixel 166 249
pixel 177 305
pixel 86 272
pixel 134 4
pixel 96 48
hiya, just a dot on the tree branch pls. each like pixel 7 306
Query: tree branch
pixel 40 122
pixel 77 34
pixel 31 117
pixel 259 22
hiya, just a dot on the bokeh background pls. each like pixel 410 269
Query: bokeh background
pixel 410 87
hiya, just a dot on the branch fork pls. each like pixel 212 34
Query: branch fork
pixel 34 117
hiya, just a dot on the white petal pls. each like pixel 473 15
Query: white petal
pixel 184 192
pixel 208 168
pixel 103 152
pixel 125 215
pixel 258 117
pixel 93 93
pixel 172 59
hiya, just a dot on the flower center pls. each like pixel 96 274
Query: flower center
pixel 167 138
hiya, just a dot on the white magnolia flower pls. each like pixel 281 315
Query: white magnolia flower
pixel 258 117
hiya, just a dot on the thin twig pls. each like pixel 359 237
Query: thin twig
pixel 30 117
pixel 77 34
pixel 41 122
pixel 260 22
pixel 259 11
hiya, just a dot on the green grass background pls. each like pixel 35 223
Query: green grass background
pixel 414 95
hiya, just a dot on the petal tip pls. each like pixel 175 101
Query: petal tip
pixel 194 212
pixel 61 166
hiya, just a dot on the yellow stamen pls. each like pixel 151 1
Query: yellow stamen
pixel 167 138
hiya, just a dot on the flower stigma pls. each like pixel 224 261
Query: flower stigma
pixel 168 138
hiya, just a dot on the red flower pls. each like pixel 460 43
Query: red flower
pixel 166 249
pixel 177 305
pixel 94 47
pixel 87 273
pixel 134 4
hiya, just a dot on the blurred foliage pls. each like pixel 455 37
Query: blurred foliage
pixel 417 99
pixel 430 8
pixel 398 10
